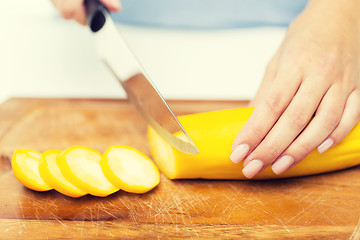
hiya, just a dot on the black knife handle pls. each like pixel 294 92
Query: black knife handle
pixel 95 14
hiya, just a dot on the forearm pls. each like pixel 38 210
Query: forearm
pixel 347 11
pixel 332 21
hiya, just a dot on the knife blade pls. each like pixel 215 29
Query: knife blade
pixel 140 90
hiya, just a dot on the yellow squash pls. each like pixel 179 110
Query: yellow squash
pixel 213 134
pixel 129 169
pixel 25 165
pixel 50 172
pixel 81 166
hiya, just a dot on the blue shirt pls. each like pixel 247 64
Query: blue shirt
pixel 209 13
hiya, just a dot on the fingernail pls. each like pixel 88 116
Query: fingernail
pixel 253 168
pixel 325 145
pixel 282 164
pixel 239 153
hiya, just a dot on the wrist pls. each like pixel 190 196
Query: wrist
pixel 331 18
pixel 346 12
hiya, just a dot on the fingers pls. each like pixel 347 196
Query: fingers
pixel 74 9
pixel 328 116
pixel 68 8
pixel 112 5
pixel 264 116
pixel 350 118
pixel 293 120
pixel 337 114
pixel 80 15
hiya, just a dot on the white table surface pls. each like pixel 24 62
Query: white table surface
pixel 42 55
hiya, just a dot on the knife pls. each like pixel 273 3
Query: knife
pixel 115 53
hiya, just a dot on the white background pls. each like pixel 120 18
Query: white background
pixel 42 55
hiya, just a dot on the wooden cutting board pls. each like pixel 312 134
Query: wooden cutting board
pixel 318 207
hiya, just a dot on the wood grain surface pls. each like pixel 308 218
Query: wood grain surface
pixel 317 207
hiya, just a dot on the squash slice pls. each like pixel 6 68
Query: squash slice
pixel 129 169
pixel 25 165
pixel 50 172
pixel 81 166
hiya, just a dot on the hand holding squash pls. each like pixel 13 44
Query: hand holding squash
pixel 310 95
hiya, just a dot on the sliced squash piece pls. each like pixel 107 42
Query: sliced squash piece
pixel 50 172
pixel 129 169
pixel 81 166
pixel 25 165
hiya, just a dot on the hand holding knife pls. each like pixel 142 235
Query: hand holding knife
pixel 126 68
